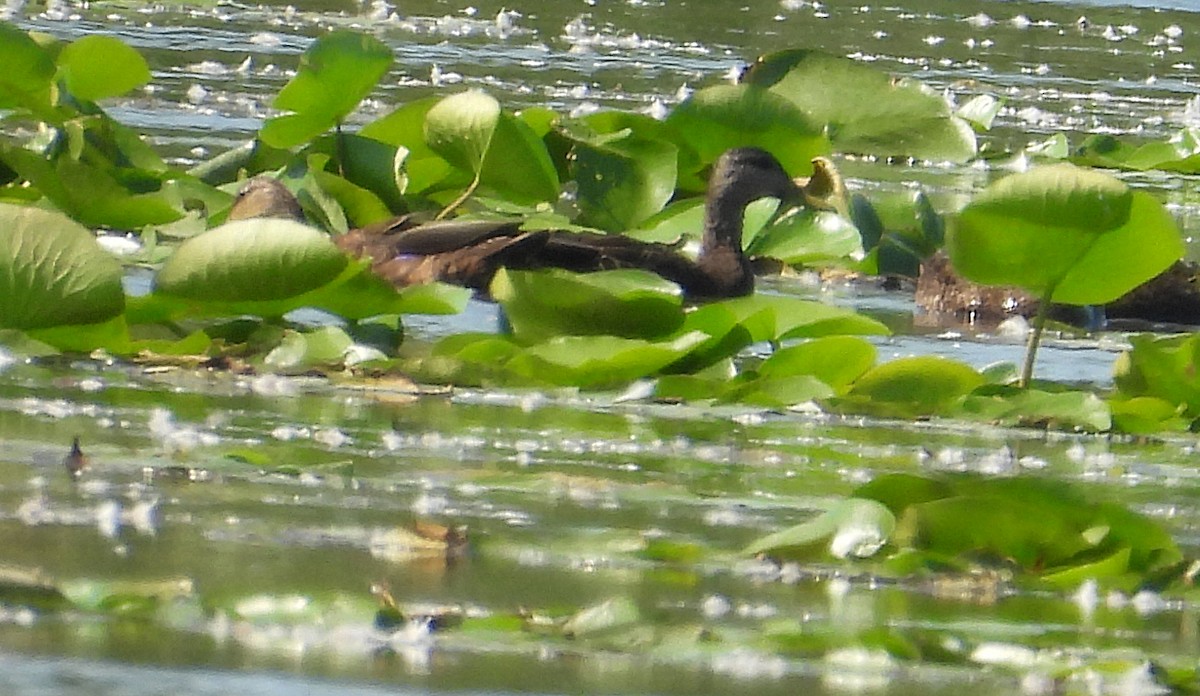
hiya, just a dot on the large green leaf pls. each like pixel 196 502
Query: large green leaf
pixel 916 386
pixel 28 70
pixel 404 128
pixel 96 67
pixel 737 323
pixel 835 360
pixel 1077 234
pixel 855 527
pixel 1165 367
pixel 809 236
pixel 256 259
pixel 89 194
pixel 473 133
pixel 52 272
pixel 335 73
pixel 865 110
pixel 628 303
pixel 623 181
pixel 599 361
pixel 715 119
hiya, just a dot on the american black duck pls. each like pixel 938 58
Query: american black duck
pixel 407 251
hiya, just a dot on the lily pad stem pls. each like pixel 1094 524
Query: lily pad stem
pixel 1035 339
pixel 460 200
pixel 337 148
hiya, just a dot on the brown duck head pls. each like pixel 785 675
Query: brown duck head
pixel 264 197
pixel 739 177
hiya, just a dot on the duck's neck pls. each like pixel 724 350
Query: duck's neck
pixel 725 269
pixel 722 224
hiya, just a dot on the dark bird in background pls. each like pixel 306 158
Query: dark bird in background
pixel 406 251
pixel 75 461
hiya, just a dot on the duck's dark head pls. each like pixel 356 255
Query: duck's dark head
pixel 739 177
pixel 745 174
pixel 264 197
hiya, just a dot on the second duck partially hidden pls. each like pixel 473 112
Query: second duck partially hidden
pixel 469 253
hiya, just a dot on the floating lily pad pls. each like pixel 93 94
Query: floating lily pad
pixel 863 109
pixel 916 386
pixel 599 361
pixel 629 303
pixel 855 527
pixel 835 360
pixel 810 236
pixel 256 259
pixel 52 272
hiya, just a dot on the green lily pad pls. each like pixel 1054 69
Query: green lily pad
pixel 91 195
pixel 1163 367
pixel 251 260
pixel 629 303
pixel 623 181
pixel 810 236
pixel 863 109
pixel 1072 235
pixel 835 360
pixel 404 128
pixel 473 133
pixel 737 323
pixel 715 119
pixel 97 66
pixel 335 73
pixel 599 361
pixel 855 527
pixel 980 111
pixel 28 70
pixel 52 272
pixel 322 347
pixel 915 386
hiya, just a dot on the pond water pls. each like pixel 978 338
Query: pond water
pixel 256 513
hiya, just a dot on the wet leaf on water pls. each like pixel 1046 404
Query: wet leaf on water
pixel 322 347
pixel 854 527
pixel 612 615
pixel 836 360
pixel 622 181
pixel 907 387
pixel 1069 410
pixel 599 361
pixel 1144 415
pixel 809 237
pixel 1162 367
pixel 776 392
pixel 91 195
pixel 628 303
pixel 980 111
